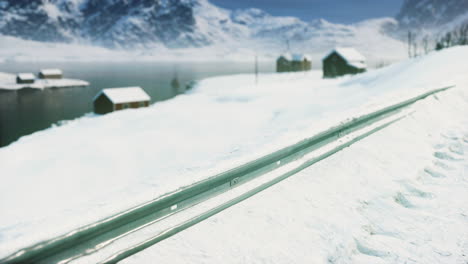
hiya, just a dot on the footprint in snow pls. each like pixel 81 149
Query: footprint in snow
pixel 434 173
pixel 451 136
pixel 418 193
pixel 401 199
pixel 442 165
pixel 456 149
pixel 370 251
pixel 444 156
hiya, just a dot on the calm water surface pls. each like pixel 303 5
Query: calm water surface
pixel 26 111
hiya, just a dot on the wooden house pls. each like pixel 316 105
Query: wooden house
pixel 293 63
pixel 51 74
pixel 342 61
pixel 113 99
pixel 25 78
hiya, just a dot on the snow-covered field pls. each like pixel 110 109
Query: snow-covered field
pixel 68 176
pixel 399 196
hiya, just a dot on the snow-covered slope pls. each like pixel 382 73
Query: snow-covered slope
pixel 90 168
pixel 398 196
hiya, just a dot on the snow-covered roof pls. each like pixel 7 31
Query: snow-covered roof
pixel 349 54
pixel 51 72
pixel 125 95
pixel 287 56
pixel 26 76
pixel 358 65
pixel 295 56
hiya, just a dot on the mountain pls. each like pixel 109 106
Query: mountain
pixel 433 14
pixel 103 22
pixel 134 23
pixel 149 27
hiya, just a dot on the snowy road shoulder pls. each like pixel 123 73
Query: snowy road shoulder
pixel 398 196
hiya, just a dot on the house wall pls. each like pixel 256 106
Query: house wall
pixel 102 105
pixel 21 81
pixel 334 66
pixel 50 76
pixel 105 105
pixel 283 65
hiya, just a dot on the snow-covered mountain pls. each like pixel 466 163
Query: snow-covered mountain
pixel 104 22
pixel 151 27
pixel 130 23
pixel 433 14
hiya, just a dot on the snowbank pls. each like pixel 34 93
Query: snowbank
pixel 68 176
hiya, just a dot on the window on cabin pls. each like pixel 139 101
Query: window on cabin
pixel 125 106
pixel 142 104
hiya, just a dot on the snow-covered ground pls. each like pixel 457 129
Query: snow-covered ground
pixel 399 196
pixel 8 82
pixel 68 176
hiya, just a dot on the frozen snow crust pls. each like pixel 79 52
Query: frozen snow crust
pixel 85 176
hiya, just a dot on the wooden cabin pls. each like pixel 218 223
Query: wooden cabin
pixel 342 61
pixel 25 78
pixel 293 63
pixel 51 74
pixel 114 99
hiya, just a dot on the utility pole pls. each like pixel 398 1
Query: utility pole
pixel 410 46
pixel 256 69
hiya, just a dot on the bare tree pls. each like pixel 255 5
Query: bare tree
pixel 426 44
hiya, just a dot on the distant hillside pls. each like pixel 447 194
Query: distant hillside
pixel 433 14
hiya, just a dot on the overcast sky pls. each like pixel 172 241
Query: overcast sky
pixel 338 11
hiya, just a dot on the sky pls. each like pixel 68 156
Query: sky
pixel 337 11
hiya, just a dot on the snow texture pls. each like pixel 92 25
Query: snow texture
pixel 349 54
pixel 26 76
pixel 90 168
pixel 51 72
pixel 125 95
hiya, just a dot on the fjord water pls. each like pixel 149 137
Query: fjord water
pixel 26 111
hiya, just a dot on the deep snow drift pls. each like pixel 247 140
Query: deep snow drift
pixel 68 176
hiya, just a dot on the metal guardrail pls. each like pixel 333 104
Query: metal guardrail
pixel 121 255
pixel 80 240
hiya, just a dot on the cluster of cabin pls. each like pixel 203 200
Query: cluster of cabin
pixel 28 78
pixel 338 62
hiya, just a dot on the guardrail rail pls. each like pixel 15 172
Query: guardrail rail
pixel 82 239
